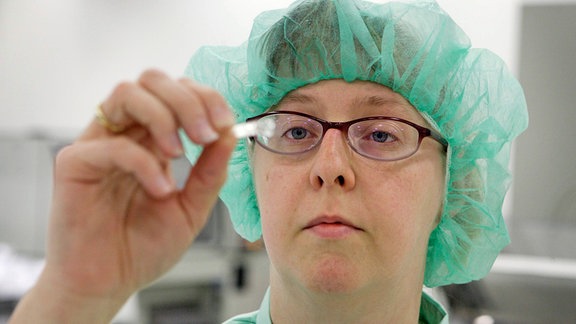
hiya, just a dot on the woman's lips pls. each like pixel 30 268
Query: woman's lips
pixel 331 227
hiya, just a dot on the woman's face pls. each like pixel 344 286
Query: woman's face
pixel 335 221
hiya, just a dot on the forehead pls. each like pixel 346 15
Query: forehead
pixel 338 99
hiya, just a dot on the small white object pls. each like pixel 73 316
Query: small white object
pixel 264 127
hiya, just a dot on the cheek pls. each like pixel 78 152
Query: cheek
pixel 276 199
pixel 425 193
pixel 409 202
pixel 269 183
pixel 277 203
pixel 434 188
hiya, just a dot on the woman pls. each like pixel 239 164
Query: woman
pixel 386 169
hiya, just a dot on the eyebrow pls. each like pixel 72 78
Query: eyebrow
pixel 374 101
pixel 360 101
pixel 377 101
pixel 298 98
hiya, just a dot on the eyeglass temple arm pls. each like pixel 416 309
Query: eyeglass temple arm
pixel 436 136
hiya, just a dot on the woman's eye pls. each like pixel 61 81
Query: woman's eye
pixel 381 137
pixel 296 133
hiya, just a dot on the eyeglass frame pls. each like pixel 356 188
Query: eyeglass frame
pixel 345 126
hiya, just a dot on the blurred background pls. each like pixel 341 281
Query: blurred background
pixel 59 59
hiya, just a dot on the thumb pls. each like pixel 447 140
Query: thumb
pixel 207 176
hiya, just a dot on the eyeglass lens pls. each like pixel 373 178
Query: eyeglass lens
pixel 378 138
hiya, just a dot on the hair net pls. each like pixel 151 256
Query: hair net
pixel 418 51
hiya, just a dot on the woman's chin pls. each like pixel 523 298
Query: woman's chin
pixel 333 276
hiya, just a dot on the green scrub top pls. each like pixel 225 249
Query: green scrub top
pixel 431 312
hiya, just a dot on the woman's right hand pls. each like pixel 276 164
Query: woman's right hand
pixel 117 220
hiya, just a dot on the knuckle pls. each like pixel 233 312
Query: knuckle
pixel 124 89
pixel 197 92
pixel 150 76
pixel 211 94
pixel 187 81
pixel 209 91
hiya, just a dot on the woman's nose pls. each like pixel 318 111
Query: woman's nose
pixel 332 163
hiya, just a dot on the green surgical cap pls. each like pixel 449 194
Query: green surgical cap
pixel 418 51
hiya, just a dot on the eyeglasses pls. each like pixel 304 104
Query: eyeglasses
pixel 378 137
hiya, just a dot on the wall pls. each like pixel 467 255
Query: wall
pixel 545 195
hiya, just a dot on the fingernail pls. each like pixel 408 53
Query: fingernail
pixel 164 186
pixel 206 133
pixel 176 145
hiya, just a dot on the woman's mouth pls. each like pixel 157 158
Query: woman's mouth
pixel 331 227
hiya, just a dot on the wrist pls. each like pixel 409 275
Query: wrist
pixel 47 302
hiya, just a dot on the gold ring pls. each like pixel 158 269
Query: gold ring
pixel 106 123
